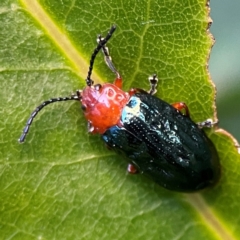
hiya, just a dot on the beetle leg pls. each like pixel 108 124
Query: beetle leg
pixel 100 45
pixel 207 123
pixel 108 61
pixel 153 84
pixel 132 169
pixel 118 82
pixel 181 105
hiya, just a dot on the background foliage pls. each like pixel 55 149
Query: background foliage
pixel 224 63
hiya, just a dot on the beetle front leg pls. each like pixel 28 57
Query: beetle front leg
pixel 180 106
pixel 108 61
pixel 153 84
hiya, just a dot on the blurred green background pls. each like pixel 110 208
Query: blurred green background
pixel 224 64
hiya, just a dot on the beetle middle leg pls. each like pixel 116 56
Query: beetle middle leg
pixel 108 61
pixel 180 106
pixel 132 169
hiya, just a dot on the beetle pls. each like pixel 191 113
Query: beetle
pixel 160 140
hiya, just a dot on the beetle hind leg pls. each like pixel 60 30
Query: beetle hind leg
pixel 153 84
pixel 207 123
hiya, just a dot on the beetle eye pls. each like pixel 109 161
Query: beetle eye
pixel 97 87
pixel 84 108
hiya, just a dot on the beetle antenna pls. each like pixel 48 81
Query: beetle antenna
pixel 40 107
pixel 100 45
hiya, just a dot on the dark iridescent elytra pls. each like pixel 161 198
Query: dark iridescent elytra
pixel 164 144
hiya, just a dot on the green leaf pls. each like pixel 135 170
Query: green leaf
pixel 62 183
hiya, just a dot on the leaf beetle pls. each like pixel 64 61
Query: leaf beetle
pixel 156 137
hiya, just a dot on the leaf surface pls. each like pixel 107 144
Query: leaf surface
pixel 63 183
